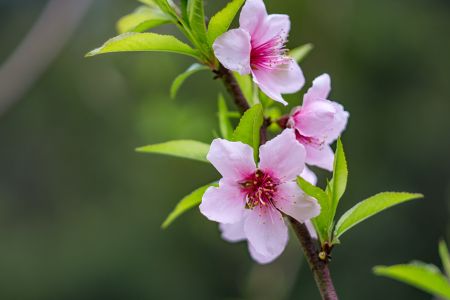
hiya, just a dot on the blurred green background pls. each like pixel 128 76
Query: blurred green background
pixel 80 211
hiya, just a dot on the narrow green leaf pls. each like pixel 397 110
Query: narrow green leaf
pixel 338 183
pixel 370 207
pixel 163 5
pixel 249 127
pixel 221 21
pixel 188 202
pixel 445 257
pixel 234 114
pixel 142 19
pixel 246 84
pixel 197 21
pixel 422 276
pixel 184 9
pixel 179 80
pixel 322 221
pixel 180 148
pixel 147 41
pixel 226 130
pixel 301 52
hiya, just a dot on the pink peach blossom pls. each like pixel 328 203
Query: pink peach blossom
pixel 258 47
pixel 318 123
pixel 251 200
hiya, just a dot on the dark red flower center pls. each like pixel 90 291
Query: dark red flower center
pixel 259 188
pixel 269 55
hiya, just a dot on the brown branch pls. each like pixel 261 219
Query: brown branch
pixel 233 88
pixel 318 266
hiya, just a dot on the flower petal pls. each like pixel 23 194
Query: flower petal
pixel 320 89
pixel 285 79
pixel 259 258
pixel 234 160
pixel 266 231
pixel 223 204
pixel 283 156
pixel 311 229
pixel 339 123
pixel 233 49
pixel 277 25
pixel 233 232
pixel 291 200
pixel 321 156
pixel 309 176
pixel 274 26
pixel 315 119
pixel 253 16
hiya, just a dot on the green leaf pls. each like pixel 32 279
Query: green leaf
pixel 221 21
pixel 142 19
pixel 246 84
pixel 179 80
pixel 197 21
pixel 422 276
pixel 188 202
pixel 273 113
pixel 147 41
pixel 445 257
pixel 180 148
pixel 370 207
pixel 184 8
pixel 163 5
pixel 322 221
pixel 226 130
pixel 249 127
pixel 338 183
pixel 301 52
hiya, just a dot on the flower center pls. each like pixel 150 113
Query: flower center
pixel 269 55
pixel 259 188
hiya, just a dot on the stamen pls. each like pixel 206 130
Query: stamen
pixel 259 188
pixel 270 55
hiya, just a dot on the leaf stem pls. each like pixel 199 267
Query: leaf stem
pixel 318 267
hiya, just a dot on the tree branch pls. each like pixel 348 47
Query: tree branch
pixel 233 88
pixel 318 266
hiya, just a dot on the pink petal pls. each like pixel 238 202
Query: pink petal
pixel 223 204
pixel 291 200
pixel 277 25
pixel 253 16
pixel 321 156
pixel 339 123
pixel 320 89
pixel 234 160
pixel 283 156
pixel 309 176
pixel 258 257
pixel 233 232
pixel 315 119
pixel 274 26
pixel 232 49
pixel 311 229
pixel 266 231
pixel 285 79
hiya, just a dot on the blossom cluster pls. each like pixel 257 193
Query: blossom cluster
pixel 253 198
